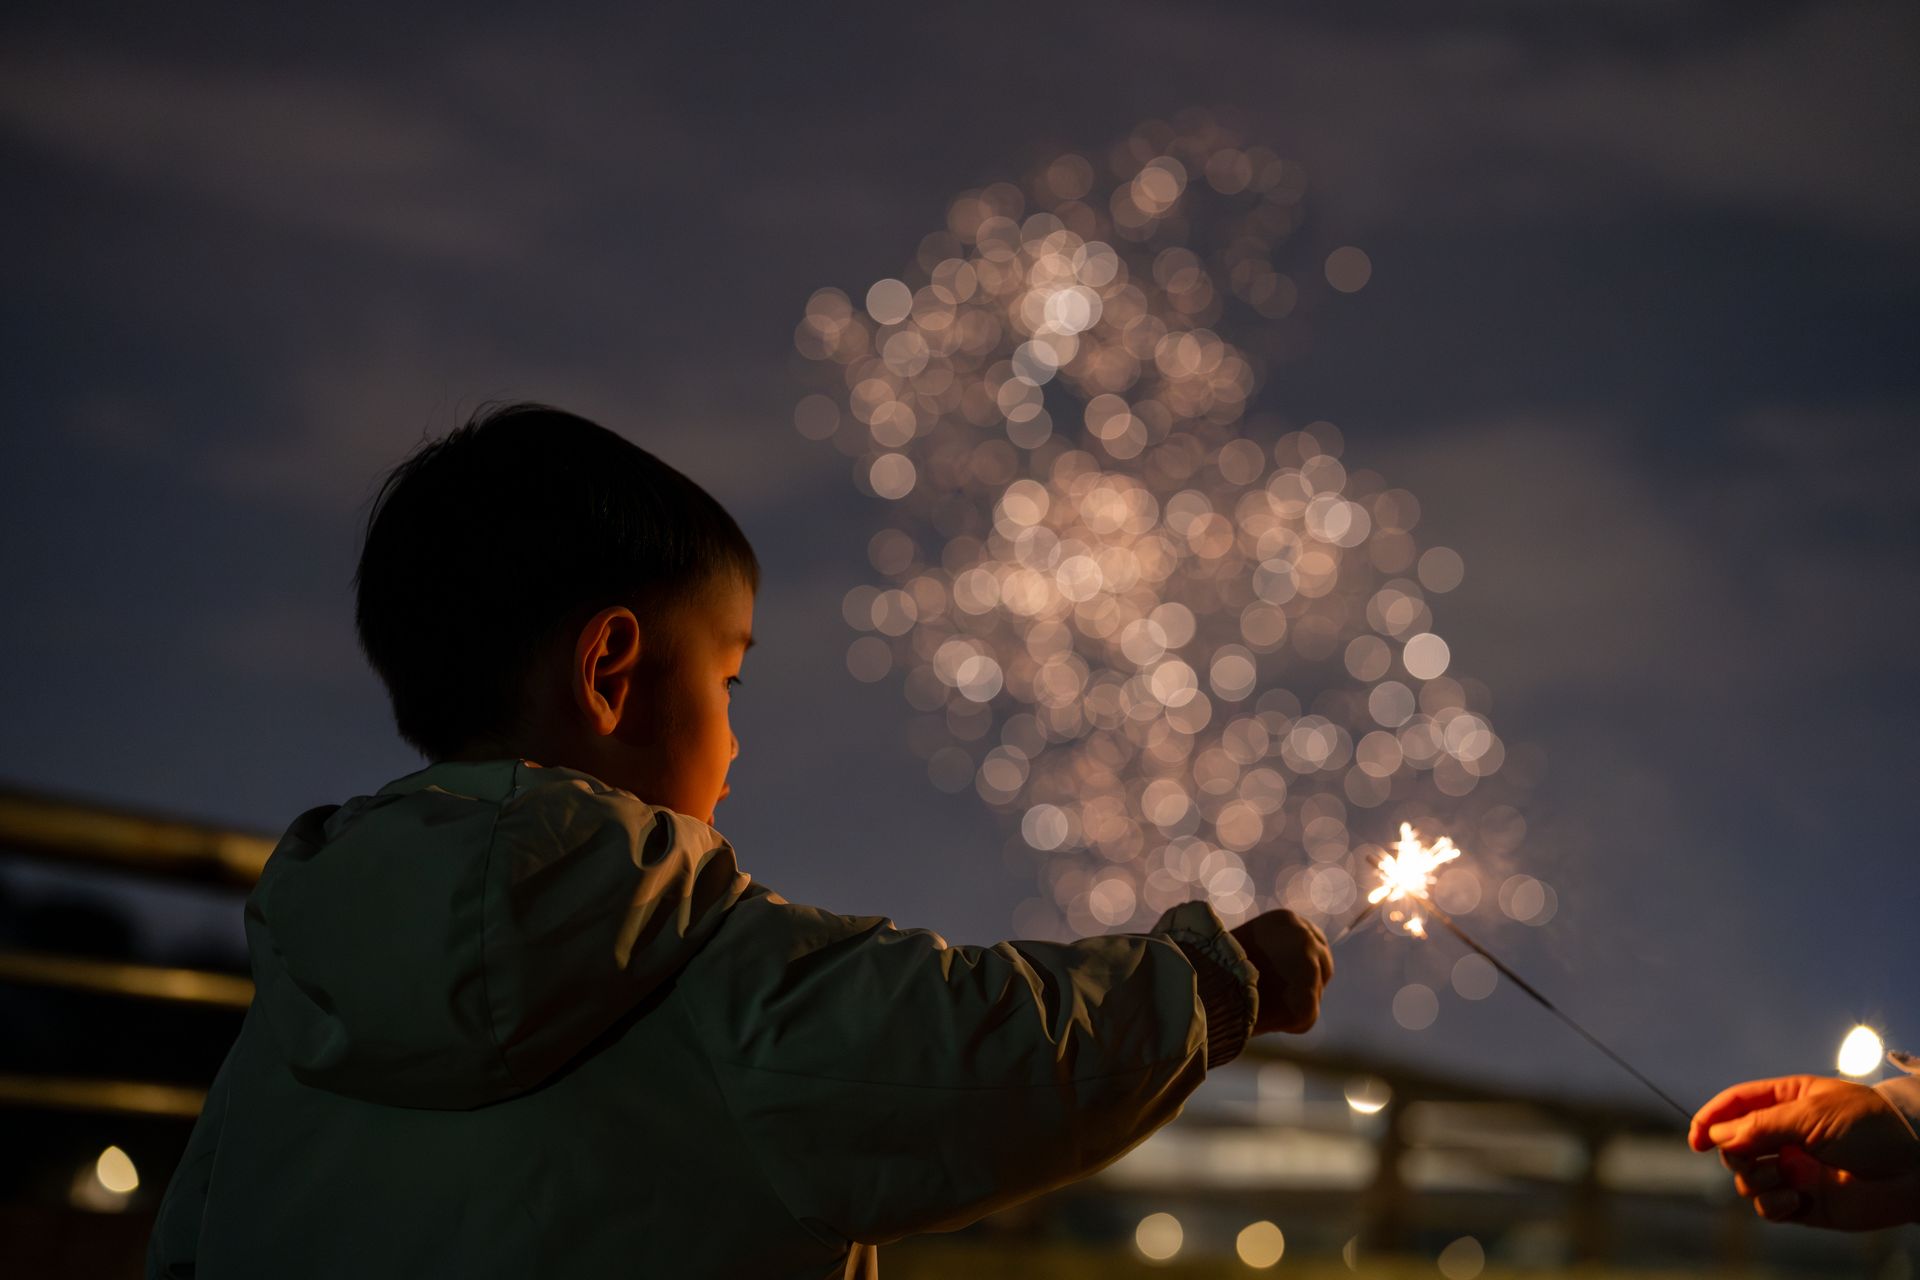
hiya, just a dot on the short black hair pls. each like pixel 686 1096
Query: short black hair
pixel 483 545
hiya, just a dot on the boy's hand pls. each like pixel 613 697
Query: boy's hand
pixel 1292 959
pixel 1827 1153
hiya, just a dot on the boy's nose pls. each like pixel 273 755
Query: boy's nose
pixel 735 754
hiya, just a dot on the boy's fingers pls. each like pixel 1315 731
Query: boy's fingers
pixel 1303 1005
pixel 1322 953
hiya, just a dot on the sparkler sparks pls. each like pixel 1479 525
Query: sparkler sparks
pixel 1407 874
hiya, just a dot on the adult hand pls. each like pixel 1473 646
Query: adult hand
pixel 1827 1153
pixel 1294 965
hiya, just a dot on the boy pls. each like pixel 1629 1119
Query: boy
pixel 529 1019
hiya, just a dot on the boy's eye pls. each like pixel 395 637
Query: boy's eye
pixel 733 682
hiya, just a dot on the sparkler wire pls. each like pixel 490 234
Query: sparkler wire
pixel 1554 1009
pixel 1472 944
pixel 1354 923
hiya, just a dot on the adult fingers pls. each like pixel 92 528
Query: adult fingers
pixel 1846 1203
pixel 1760 1133
pixel 1760 1176
pixel 1783 1205
pixel 1738 1100
pixel 1829 1197
pixel 1818 1195
pixel 1800 1170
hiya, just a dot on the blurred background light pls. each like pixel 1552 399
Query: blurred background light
pixel 1158 1237
pixel 1861 1052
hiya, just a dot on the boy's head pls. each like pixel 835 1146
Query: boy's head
pixel 535 585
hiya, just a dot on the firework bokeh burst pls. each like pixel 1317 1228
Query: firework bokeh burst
pixel 1177 639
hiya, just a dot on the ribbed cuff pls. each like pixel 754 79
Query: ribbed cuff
pixel 1904 1093
pixel 1224 980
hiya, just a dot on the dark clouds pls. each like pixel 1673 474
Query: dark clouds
pixel 1639 335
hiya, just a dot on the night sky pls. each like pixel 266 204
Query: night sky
pixel 1640 335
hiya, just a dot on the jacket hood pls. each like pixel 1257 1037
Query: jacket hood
pixel 460 936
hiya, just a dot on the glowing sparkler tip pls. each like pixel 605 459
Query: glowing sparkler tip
pixel 1407 874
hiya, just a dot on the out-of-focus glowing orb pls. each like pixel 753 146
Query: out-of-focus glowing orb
pixel 1415 1006
pixel 1158 1237
pixel 1349 269
pixel 1368 1096
pixel 114 1170
pixel 1260 1244
pixel 1861 1052
pixel 1463 1259
pixel 1474 977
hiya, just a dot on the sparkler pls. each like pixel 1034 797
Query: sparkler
pixel 1407 874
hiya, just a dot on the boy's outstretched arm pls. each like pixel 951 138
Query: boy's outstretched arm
pixel 891 1083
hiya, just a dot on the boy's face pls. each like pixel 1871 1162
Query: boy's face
pixel 680 742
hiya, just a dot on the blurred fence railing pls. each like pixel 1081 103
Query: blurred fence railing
pixel 131 847
pixel 73 831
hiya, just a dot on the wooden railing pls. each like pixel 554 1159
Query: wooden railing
pixel 124 845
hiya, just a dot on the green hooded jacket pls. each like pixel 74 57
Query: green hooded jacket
pixel 510 1021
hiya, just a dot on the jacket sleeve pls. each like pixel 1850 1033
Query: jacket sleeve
pixel 173 1250
pixel 1903 1091
pixel 890 1083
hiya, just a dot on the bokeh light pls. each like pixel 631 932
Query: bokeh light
pixel 1158 1237
pixel 1349 268
pixel 1474 977
pixel 1368 1095
pixel 1861 1053
pixel 1463 1259
pixel 1528 900
pixel 1260 1244
pixel 1186 648
pixel 1415 1006
pixel 115 1172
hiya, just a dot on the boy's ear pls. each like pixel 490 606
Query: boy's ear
pixel 605 656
